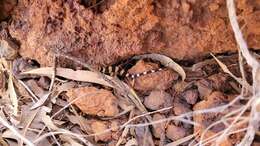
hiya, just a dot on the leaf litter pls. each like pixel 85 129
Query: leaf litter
pixel 64 123
pixel 79 120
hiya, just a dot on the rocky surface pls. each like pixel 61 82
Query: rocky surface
pixel 119 29
pixel 102 33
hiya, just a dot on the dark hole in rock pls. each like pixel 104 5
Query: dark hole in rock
pixel 97 6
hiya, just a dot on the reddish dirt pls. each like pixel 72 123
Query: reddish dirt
pixel 172 130
pixel 99 126
pixel 115 31
pixel 44 83
pixel 180 106
pixel 178 29
pixel 158 99
pixel 191 96
pixel 159 129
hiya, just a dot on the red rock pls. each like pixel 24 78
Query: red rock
pixel 220 82
pixel 178 29
pixel 44 82
pixel 180 106
pixel 157 100
pixel 174 133
pixel 94 101
pixel 98 127
pixel 158 129
pixel 191 96
pixel 205 87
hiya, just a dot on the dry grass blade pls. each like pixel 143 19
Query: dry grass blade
pixel 15 132
pixel 145 114
pixel 134 97
pixel 242 71
pixel 78 75
pixel 213 138
pixel 166 61
pixel 226 70
pixel 3 64
pixel 125 131
pixel 126 125
pixel 53 74
pixel 47 120
pixel 28 121
pixel 33 96
pixel 3 142
pixel 131 142
pixel 177 118
pixel 41 101
pixel 128 92
pixel 239 36
pixel 65 132
pixel 123 135
pixel 254 121
pixel 12 95
pixel 240 121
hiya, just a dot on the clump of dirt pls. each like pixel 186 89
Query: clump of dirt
pixel 44 82
pixel 159 129
pixel 178 29
pixel 191 96
pixel 158 100
pixel 99 126
pixel 180 106
pixel 172 130
pixel 92 101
